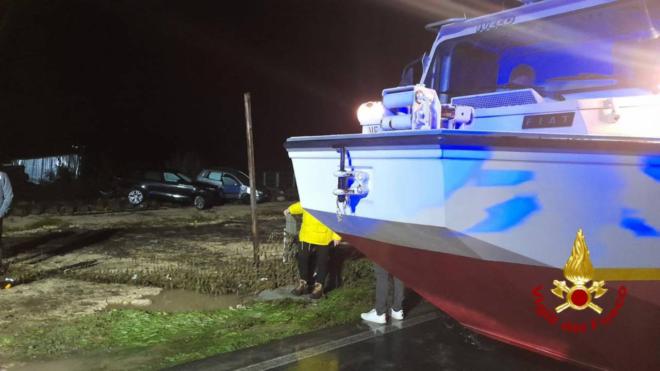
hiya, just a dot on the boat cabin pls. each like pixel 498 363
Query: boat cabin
pixel 561 49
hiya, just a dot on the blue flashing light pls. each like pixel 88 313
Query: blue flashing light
pixel 651 167
pixel 458 173
pixel 636 225
pixel 639 227
pixel 495 178
pixel 507 215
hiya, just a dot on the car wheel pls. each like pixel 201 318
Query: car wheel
pixel 245 199
pixel 199 202
pixel 135 197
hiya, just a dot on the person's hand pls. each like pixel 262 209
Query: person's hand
pixel 335 242
pixel 286 212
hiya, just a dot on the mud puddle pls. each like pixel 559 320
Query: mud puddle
pixel 55 299
pixel 179 300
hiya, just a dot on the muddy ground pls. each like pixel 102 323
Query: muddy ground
pixel 32 225
pixel 70 266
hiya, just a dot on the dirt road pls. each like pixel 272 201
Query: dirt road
pixel 172 217
pixel 75 265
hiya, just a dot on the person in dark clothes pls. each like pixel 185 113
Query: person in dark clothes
pixel 378 314
pixel 523 75
pixel 6 196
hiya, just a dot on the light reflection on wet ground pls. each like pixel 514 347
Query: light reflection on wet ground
pixel 428 346
pixel 427 340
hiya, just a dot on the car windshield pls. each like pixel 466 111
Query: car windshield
pixel 242 177
pixel 185 177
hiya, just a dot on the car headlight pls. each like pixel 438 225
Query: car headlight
pixel 370 113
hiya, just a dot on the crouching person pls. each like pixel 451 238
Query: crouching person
pixel 315 242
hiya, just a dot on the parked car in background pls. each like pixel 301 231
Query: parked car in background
pixel 232 184
pixel 168 185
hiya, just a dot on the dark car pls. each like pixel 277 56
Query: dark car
pixel 168 185
pixel 232 184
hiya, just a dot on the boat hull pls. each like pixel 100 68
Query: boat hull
pixel 513 303
pixel 482 224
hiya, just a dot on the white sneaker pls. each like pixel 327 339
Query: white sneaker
pixel 396 314
pixel 372 316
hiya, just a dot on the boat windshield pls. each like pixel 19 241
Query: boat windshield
pixel 608 48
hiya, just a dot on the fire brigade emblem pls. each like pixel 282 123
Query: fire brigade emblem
pixel 579 271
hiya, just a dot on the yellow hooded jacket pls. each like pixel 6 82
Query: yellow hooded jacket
pixel 312 230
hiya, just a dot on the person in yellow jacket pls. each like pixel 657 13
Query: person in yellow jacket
pixel 315 239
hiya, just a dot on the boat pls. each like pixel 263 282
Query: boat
pixel 515 183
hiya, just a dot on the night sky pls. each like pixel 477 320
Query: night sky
pixel 136 82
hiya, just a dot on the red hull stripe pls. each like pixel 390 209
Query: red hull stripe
pixel 498 300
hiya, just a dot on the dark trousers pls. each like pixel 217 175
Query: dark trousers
pixel 383 288
pixel 2 266
pixel 313 258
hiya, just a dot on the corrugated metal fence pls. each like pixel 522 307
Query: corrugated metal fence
pixel 278 179
pixel 45 169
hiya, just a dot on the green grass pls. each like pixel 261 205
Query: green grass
pixel 173 338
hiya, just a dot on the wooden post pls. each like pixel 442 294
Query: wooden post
pixel 253 185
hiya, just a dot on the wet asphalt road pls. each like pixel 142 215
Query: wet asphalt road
pixel 427 340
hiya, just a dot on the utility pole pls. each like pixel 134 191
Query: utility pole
pixel 253 175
